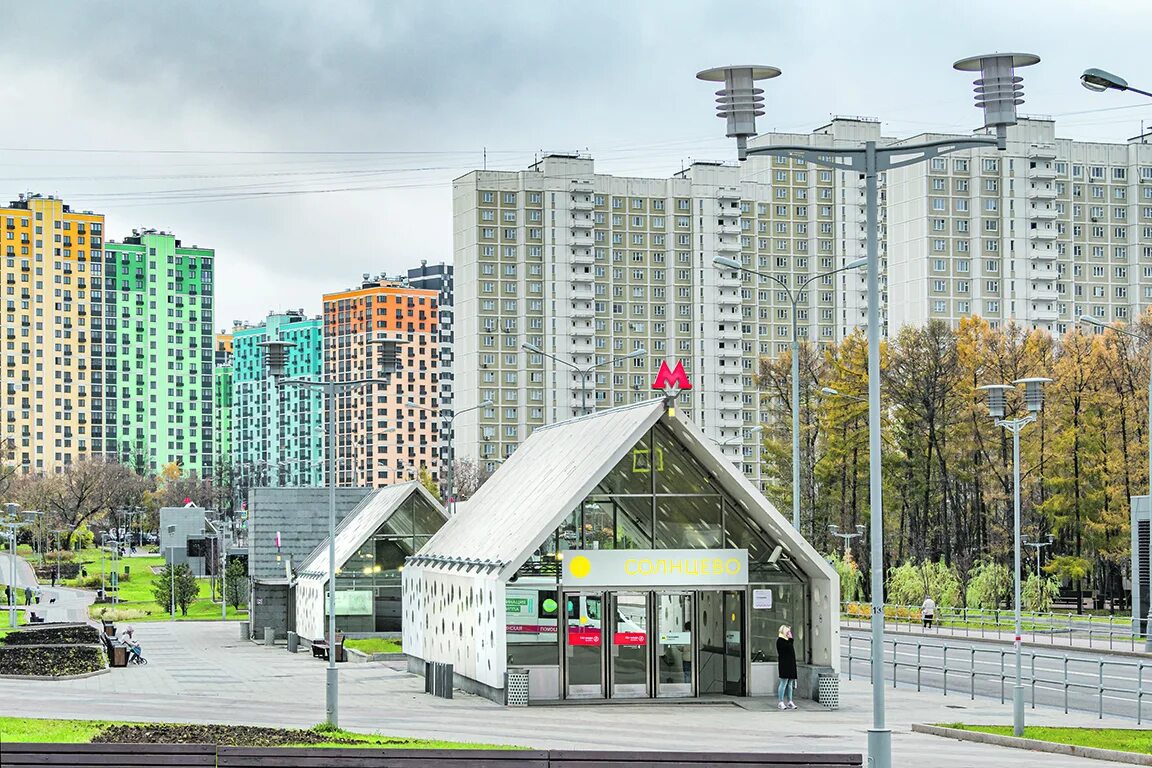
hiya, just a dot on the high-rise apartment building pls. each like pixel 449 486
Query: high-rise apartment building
pixel 53 329
pixel 156 354
pixel 1040 234
pixel 590 267
pixel 384 434
pixel 278 431
pixel 438 277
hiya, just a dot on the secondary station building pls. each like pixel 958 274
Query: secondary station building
pixel 620 555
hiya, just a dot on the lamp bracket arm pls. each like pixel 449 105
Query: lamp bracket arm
pixel 903 155
pixel 837 159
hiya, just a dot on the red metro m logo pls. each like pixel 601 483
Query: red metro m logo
pixel 671 380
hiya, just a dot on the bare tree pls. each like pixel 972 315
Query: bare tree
pixel 83 491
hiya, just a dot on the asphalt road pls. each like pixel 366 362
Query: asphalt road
pixel 1073 680
pixel 56 603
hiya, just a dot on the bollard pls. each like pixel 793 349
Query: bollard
pixel 245 630
pixel 293 642
pixel 269 636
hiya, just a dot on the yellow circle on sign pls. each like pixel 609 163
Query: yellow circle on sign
pixel 580 566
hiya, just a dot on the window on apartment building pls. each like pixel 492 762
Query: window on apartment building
pixel 960 165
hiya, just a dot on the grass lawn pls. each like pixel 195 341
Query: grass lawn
pixel 27 729
pixel 373 645
pixel 1122 739
pixel 136 594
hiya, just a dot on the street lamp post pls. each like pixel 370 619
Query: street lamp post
pixel 586 371
pixel 739 102
pixel 1034 398
pixel 12 524
pixel 1089 320
pixel 847 537
pixel 276 352
pixel 451 477
pixel 794 298
pixel 1039 545
pixel 744 434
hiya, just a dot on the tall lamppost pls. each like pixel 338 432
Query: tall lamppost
pixel 1039 545
pixel 276 357
pixel 739 103
pixel 451 438
pixel 794 298
pixel 584 371
pixel 12 524
pixel 1034 399
pixel 847 537
pixel 1089 320
pixel 744 435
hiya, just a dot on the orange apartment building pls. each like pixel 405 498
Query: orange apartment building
pixel 384 435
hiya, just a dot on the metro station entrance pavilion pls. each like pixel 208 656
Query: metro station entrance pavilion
pixel 618 556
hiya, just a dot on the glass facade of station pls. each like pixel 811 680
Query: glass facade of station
pixel 680 640
pixel 368 595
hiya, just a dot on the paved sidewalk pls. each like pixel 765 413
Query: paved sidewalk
pixel 203 672
pixel 56 603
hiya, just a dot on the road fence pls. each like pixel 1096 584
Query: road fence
pixel 1051 628
pixel 1084 682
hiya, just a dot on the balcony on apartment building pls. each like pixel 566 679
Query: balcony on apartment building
pixel 1041 171
pixel 1041 190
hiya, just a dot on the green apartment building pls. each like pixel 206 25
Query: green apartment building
pixel 156 348
pixel 277 433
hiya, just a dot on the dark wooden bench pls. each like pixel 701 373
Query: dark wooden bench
pixel 308 757
pixel 596 759
pixel 251 757
pixel 134 755
pixel 320 648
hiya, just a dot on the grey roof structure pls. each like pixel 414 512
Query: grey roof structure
pixel 360 524
pixel 532 492
pixel 301 517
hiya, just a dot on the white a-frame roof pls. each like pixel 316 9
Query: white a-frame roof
pixel 533 492
pixel 363 521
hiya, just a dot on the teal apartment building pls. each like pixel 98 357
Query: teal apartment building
pixel 277 433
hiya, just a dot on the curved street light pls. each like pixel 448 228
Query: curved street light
pixel 485 403
pixel 586 371
pixel 1098 80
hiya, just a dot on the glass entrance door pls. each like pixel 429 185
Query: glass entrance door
pixel 584 645
pixel 674 657
pixel 629 645
pixel 734 643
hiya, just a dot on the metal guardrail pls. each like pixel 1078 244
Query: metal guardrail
pixel 1113 686
pixel 1052 628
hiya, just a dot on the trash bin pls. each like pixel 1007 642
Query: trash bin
pixel 269 636
pixel 245 630
pixel 119 656
pixel 828 691
pixel 516 688
pixel 293 642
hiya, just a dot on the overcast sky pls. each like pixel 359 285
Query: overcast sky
pixel 311 142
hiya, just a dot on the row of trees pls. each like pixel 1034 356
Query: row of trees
pixel 95 491
pixel 948 468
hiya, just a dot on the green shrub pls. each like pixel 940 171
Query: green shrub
pixel 909 584
pixel 1038 593
pixel 118 614
pixel 990 585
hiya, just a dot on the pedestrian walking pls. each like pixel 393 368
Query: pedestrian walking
pixel 7 595
pixel 53 578
pixel 786 657
pixel 27 595
pixel 39 595
pixel 928 611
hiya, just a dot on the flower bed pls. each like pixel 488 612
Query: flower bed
pixel 62 634
pixel 51 661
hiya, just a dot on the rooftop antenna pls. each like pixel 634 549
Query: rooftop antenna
pixel 485 158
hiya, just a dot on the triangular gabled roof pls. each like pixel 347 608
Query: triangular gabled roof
pixel 363 521
pixel 559 465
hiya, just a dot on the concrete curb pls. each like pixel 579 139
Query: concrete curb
pixel 1129 758
pixel 360 656
pixel 997 641
pixel 51 678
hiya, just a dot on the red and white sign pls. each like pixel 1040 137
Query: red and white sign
pixel 630 638
pixel 589 636
pixel 671 380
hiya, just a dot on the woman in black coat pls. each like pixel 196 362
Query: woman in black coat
pixel 786 654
